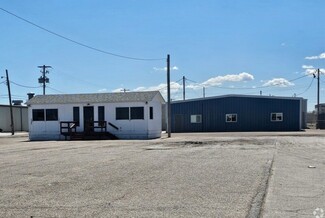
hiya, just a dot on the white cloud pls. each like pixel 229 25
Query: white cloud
pixel 280 82
pixel 194 86
pixel 165 68
pixel 310 70
pixel 321 56
pixel 174 87
pixel 102 90
pixel 307 67
pixel 117 90
pixel 217 81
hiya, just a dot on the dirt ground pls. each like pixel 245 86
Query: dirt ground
pixel 277 174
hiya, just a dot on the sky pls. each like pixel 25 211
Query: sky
pixel 250 47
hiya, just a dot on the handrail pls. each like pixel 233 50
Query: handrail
pixel 70 126
pixel 96 125
pixel 112 125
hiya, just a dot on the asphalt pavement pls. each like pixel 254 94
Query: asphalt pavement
pixel 188 175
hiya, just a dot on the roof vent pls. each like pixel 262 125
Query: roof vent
pixel 17 102
pixel 30 95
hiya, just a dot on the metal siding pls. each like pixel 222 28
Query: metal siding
pixel 253 114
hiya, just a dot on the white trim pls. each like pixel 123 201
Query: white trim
pixel 276 116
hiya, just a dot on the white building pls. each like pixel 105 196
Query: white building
pixel 19 114
pixel 129 115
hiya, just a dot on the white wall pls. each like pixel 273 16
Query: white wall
pixel 127 129
pixel 19 116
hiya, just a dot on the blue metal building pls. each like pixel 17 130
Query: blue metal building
pixel 239 113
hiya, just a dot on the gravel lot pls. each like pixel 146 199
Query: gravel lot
pixel 188 175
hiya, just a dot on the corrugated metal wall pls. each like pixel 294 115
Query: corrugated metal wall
pixel 253 114
pixel 20 116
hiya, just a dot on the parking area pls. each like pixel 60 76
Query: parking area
pixel 188 175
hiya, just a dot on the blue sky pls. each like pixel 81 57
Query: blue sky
pixel 229 47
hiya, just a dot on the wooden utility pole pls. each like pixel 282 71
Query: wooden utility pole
pixel 317 124
pixel 169 115
pixel 10 104
pixel 43 79
pixel 183 88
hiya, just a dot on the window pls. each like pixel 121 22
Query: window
pixel 101 113
pixel 276 117
pixel 231 118
pixel 38 115
pixel 196 118
pixel 151 113
pixel 76 115
pixel 137 113
pixel 122 113
pixel 51 114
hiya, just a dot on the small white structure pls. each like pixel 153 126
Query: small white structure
pixel 19 117
pixel 129 115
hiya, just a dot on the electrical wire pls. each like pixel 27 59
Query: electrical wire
pixel 55 90
pixel 30 87
pixel 307 87
pixel 165 87
pixel 79 43
pixel 258 87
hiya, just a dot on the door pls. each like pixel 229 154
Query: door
pixel 89 119
pixel 179 123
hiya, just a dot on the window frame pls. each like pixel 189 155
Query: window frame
pixel 40 111
pixel 76 115
pixel 276 117
pixel 134 113
pixel 55 115
pixel 119 117
pixel 231 120
pixel 196 116
pixel 151 113
pixel 101 113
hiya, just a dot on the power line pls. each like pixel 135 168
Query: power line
pixel 307 87
pixel 55 90
pixel 32 87
pixel 257 87
pixel 79 43
pixel 166 85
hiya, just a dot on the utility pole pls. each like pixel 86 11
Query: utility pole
pixel 125 90
pixel 10 104
pixel 169 115
pixel 183 88
pixel 317 124
pixel 203 92
pixel 44 79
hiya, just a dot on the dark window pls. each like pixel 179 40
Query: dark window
pixel 137 113
pixel 51 114
pixel 151 113
pixel 38 115
pixel 76 115
pixel 122 113
pixel 101 113
pixel 276 117
pixel 231 118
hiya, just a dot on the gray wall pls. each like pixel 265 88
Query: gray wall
pixel 20 115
